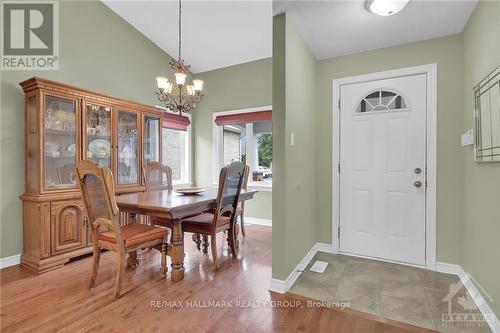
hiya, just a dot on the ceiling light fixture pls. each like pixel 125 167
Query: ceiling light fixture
pixel 179 96
pixel 386 7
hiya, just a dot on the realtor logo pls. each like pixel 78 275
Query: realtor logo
pixel 30 39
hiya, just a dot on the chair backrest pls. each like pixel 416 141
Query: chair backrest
pixel 157 177
pixel 245 179
pixel 230 183
pixel 97 188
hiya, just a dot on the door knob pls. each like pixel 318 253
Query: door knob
pixel 418 183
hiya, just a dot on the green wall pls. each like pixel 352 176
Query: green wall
pixel 98 51
pixel 294 223
pixel 231 88
pixel 447 53
pixel 481 181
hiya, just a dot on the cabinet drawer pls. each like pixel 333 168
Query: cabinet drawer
pixel 68 231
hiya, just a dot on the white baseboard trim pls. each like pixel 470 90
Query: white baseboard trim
pixel 254 220
pixel 473 291
pixel 282 286
pixel 323 247
pixel 10 261
pixel 443 267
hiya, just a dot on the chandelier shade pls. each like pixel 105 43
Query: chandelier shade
pixel 177 96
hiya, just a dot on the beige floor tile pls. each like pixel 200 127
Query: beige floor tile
pixel 310 288
pixel 400 273
pixel 436 280
pixel 361 298
pixel 409 291
pixel 418 314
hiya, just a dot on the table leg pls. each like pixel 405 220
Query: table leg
pixel 177 252
pixel 132 260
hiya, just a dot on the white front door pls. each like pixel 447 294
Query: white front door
pixel 382 168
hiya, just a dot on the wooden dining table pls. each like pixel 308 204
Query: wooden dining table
pixel 175 206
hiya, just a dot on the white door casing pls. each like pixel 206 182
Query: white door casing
pixel 380 211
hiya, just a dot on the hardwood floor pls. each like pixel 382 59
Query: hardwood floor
pixel 60 301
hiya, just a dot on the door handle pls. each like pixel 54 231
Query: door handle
pixel 418 183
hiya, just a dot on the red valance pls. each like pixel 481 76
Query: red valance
pixel 175 121
pixel 249 117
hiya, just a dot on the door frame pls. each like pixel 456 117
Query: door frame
pixel 431 151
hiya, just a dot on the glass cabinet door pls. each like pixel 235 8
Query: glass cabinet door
pixel 60 151
pixel 151 139
pixel 127 148
pixel 98 129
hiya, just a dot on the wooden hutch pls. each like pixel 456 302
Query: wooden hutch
pixel 65 125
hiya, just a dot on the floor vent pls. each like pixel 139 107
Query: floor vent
pixel 319 266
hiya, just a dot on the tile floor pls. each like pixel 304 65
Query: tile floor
pixel 397 292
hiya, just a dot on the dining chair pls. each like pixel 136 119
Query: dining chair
pixel 223 216
pixel 97 188
pixel 158 177
pixel 240 211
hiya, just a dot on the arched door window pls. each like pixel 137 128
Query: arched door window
pixel 382 100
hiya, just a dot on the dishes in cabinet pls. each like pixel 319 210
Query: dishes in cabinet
pixel 52 149
pixel 70 151
pixel 100 148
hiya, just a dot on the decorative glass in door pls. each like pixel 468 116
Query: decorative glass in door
pixel 151 139
pixel 60 151
pixel 127 148
pixel 98 134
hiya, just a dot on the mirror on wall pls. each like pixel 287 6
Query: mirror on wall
pixel 487 118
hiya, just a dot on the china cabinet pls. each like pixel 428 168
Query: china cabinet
pixel 65 125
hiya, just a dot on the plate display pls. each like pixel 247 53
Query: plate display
pixel 100 148
pixel 190 190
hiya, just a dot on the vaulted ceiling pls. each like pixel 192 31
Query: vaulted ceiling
pixel 223 33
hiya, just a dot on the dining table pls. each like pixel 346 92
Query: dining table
pixel 174 206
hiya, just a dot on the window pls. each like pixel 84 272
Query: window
pixel 245 136
pixel 176 147
pixel 381 100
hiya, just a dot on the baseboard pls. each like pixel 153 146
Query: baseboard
pixel 323 247
pixel 443 267
pixel 10 261
pixel 254 220
pixel 282 286
pixel 470 285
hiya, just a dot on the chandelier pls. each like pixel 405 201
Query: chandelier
pixel 179 96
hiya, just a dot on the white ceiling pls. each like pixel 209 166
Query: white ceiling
pixel 223 33
pixel 215 34
pixel 336 28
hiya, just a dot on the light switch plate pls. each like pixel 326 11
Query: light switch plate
pixel 467 138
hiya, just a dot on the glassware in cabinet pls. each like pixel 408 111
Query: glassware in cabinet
pixel 127 148
pixel 98 134
pixel 60 146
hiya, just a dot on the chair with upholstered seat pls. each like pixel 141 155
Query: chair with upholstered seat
pixel 97 188
pixel 224 215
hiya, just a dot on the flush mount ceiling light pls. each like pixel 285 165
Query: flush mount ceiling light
pixel 386 7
